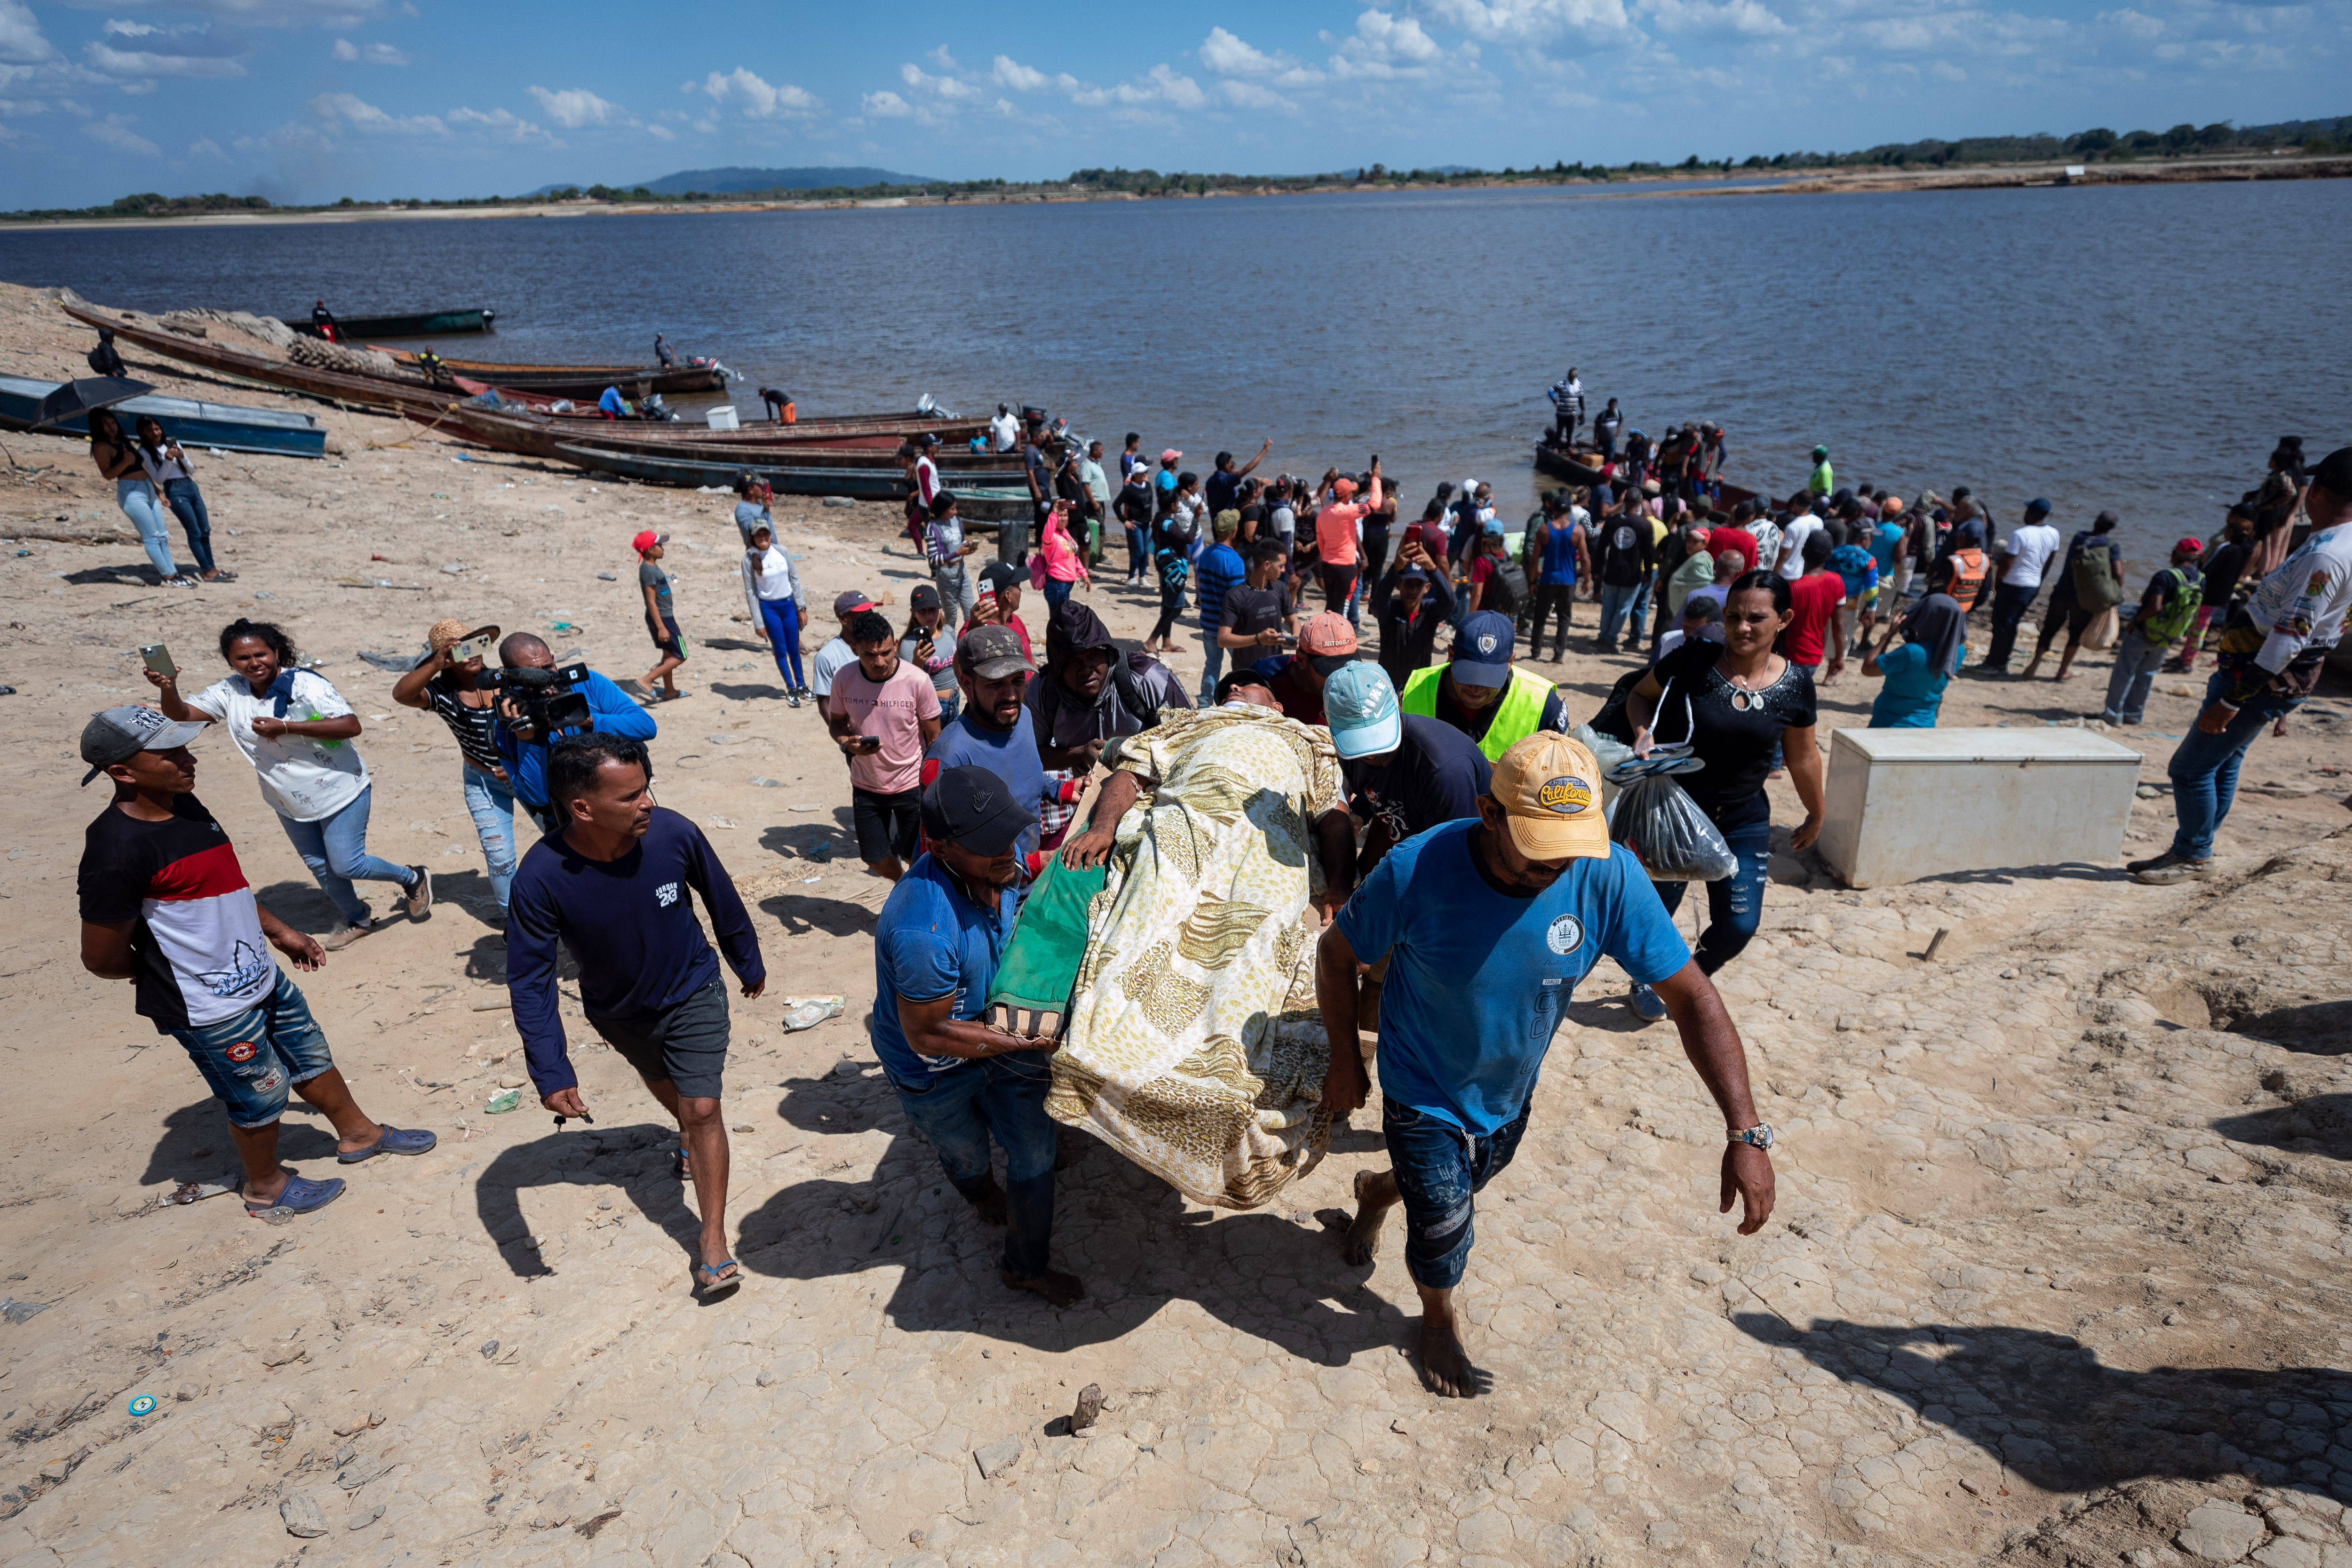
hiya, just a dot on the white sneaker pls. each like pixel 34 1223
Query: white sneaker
pixel 343 935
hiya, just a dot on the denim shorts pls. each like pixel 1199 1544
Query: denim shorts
pixel 685 1043
pixel 1438 1170
pixel 251 1061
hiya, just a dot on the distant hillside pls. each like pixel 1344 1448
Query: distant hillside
pixel 728 182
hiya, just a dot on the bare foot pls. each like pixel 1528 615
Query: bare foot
pixel 1059 1288
pixel 1363 1243
pixel 1444 1366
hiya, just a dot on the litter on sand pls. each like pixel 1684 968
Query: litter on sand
pixel 808 1012
pixel 197 1191
pixel 506 1099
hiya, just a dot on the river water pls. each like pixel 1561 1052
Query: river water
pixel 2138 348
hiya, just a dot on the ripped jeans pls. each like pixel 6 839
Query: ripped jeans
pixel 1440 1169
pixel 1735 906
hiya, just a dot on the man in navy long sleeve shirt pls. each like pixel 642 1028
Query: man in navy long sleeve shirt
pixel 609 883
pixel 610 713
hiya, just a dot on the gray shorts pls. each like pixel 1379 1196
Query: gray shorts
pixel 685 1043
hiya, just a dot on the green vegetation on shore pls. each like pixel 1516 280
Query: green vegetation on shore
pixel 2097 145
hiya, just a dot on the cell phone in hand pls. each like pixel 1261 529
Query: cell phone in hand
pixel 869 743
pixel 470 649
pixel 159 658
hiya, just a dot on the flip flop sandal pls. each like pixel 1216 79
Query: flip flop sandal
pixel 680 1165
pixel 394 1142
pixel 302 1196
pixel 708 1282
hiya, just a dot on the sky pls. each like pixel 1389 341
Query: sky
pixel 310 101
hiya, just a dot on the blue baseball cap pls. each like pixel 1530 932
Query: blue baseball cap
pixel 1361 707
pixel 2037 507
pixel 1482 649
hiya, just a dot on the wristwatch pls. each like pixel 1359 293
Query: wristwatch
pixel 1761 1135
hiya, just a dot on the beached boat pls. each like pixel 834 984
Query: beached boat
pixel 340 387
pixel 830 428
pixel 576 381
pixel 790 474
pixel 423 324
pixel 540 436
pixel 186 420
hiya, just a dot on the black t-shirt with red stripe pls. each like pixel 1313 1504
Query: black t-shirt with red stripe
pixel 197 951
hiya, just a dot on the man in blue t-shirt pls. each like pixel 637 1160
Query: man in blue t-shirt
pixel 1487 926
pixel 1217 574
pixel 609 883
pixel 937 946
pixel 995 732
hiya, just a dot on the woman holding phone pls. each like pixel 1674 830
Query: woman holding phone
pixel 117 457
pixel 168 471
pixel 297 731
pixel 448 682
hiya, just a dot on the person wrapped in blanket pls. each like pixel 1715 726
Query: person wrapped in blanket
pixel 1193 1045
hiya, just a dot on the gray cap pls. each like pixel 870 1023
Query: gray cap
pixel 120 734
pixel 992 652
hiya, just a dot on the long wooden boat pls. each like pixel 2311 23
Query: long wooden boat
pixel 1572 467
pixel 540 436
pixel 185 419
pixel 788 475
pixel 423 324
pixel 587 381
pixel 829 429
pixel 330 385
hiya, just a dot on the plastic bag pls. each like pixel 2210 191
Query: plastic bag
pixel 1658 821
pixel 1608 751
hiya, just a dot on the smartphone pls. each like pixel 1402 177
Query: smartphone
pixel 158 659
pixel 471 648
pixel 869 743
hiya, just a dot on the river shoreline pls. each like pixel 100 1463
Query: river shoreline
pixel 2003 177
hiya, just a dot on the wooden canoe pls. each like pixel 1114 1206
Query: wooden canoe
pixel 423 324
pixel 335 386
pixel 787 474
pixel 539 435
pixel 191 423
pixel 577 381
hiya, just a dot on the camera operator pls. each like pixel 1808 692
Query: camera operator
pixel 532 716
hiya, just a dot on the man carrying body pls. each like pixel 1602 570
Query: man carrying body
pixel 608 884
pixel 1481 694
pixel 937 944
pixel 1486 927
pixel 1405 775
pixel 883 714
pixel 166 905
pixel 995 731
pixel 2018 571
pixel 1327 644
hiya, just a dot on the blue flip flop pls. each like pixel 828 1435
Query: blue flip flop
pixel 394 1142
pixel 302 1196
pixel 708 1281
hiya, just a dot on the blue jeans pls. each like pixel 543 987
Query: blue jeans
pixel 1639 613
pixel 783 619
pixel 1056 593
pixel 1614 604
pixel 1213 665
pixel 1138 553
pixel 187 504
pixel 1440 1169
pixel 2204 768
pixel 1734 905
pixel 2134 672
pixel 958 1109
pixel 335 849
pixel 490 801
pixel 957 595
pixel 137 500
pixel 252 1059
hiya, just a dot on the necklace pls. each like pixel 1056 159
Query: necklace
pixel 1745 698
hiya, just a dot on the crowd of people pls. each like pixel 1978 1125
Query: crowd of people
pixel 1434 796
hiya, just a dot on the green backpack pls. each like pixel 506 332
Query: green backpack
pixel 2185 594
pixel 2093 574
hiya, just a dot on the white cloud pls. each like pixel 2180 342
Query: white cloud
pixel 1531 21
pixel 1386 46
pixel 662 132
pixel 1010 72
pixel 945 88
pixel 1749 18
pixel 345 50
pixel 21 42
pixel 384 55
pixel 1229 55
pixel 144 66
pixel 2138 24
pixel 500 125
pixel 755 99
pixel 1160 85
pixel 259 12
pixel 115 131
pixel 576 106
pixel 1251 95
pixel 347 109
pixel 205 147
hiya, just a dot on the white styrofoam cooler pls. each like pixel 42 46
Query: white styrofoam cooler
pixel 1906 804
pixel 723 417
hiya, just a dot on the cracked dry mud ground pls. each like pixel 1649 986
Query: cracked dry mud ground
pixel 2056 1278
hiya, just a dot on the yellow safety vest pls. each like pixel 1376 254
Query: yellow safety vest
pixel 1515 716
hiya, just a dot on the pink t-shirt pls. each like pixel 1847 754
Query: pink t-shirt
pixel 1335 526
pixel 894 710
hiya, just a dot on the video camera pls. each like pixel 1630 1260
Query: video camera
pixel 546 696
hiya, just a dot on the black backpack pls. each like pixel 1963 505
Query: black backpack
pixel 1507 588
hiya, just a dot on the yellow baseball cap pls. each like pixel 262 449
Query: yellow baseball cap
pixel 1549 787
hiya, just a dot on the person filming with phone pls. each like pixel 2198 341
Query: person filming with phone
pixel 448 682
pixel 538 704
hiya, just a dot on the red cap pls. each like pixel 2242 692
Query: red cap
pixel 2190 547
pixel 648 539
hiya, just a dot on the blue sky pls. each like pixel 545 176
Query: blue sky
pixel 312 99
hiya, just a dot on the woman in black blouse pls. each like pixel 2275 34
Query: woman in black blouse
pixel 447 685
pixel 1742 699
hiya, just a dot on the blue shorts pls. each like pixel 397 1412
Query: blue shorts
pixel 1438 1170
pixel 251 1061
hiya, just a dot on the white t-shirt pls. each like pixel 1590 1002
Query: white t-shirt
pixel 1792 540
pixel 302 779
pixel 2030 550
pixel 1002 429
pixel 1766 534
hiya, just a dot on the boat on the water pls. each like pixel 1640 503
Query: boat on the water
pixel 423 324
pixel 1583 467
pixel 575 380
pixel 789 471
pixel 341 387
pixel 186 420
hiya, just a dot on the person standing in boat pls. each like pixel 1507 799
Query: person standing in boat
pixel 1568 404
pixel 664 355
pixel 322 321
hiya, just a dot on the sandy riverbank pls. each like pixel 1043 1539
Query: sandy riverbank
pixel 2048 1227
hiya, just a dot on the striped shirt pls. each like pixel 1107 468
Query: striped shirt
pixel 475 727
